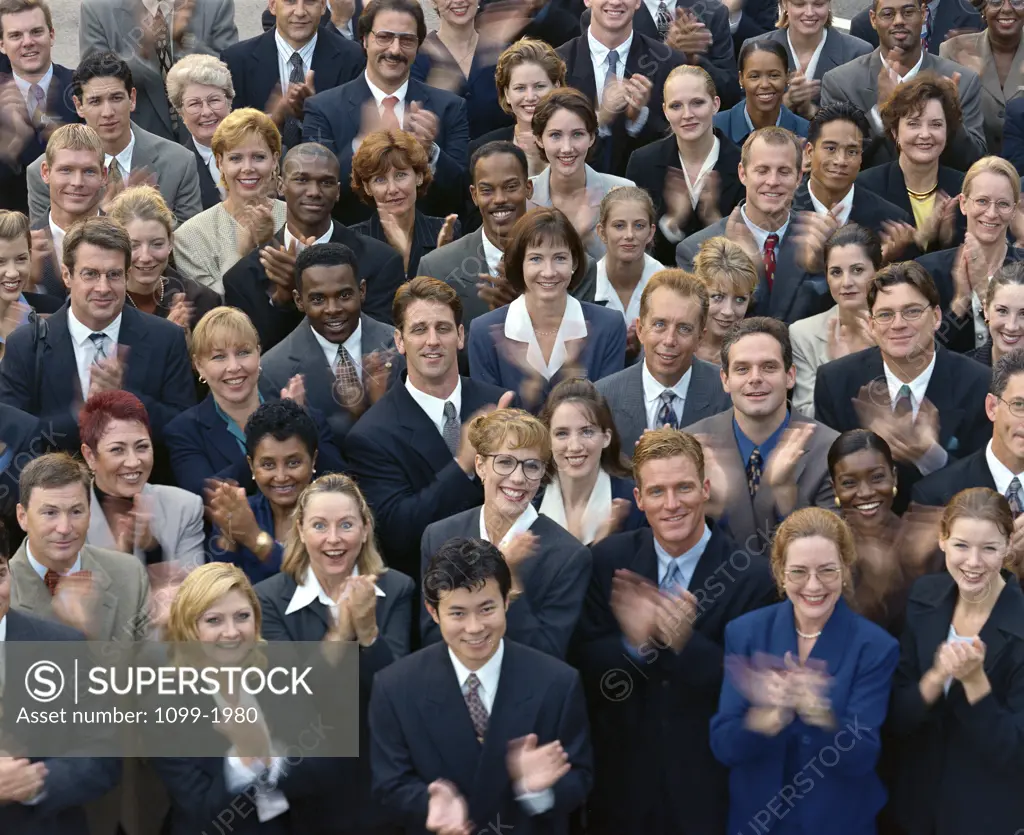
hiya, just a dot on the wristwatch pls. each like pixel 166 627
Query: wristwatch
pixel 264 545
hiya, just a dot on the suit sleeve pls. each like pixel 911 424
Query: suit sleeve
pixel 430 633
pixel 390 275
pixel 75 781
pixel 824 401
pixel 38 194
pixel 92 37
pixel 612 356
pixel 720 61
pixel 396 784
pixel 685 250
pixel 803 391
pixel 969 144
pixel 188 202
pixel 995 725
pixel 1013 134
pixel 484 364
pixel 191 541
pixel 223 32
pixel 17 380
pixel 177 389
pixel 316 127
pixel 189 463
pixel 397 629
pixel 453 159
pixel 831 91
pixel 599 638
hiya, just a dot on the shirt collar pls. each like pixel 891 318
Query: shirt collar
pixel 3 628
pixel 746 446
pixel 1001 474
pixel 80 333
pixel 653 389
pixel 599 52
pixel 594 514
pixel 325 238
pixel 761 235
pixel 41 569
pixel 522 524
pixel 379 95
pixel 918 386
pixel 310 590
pixel 812 65
pixel 604 292
pixel 841 210
pixel 709 164
pixel 488 675
pixel 914 70
pixel 434 406
pixel 205 152
pixel 519 327
pixel 43 82
pixel 750 124
pixel 286 50
pixel 353 344
pixel 687 561
pixel 491 254
pixel 124 159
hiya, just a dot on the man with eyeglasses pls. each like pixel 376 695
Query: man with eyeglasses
pixel 108 345
pixel 277 71
pixel 869 80
pixel 927 402
pixel 386 98
pixel 943 19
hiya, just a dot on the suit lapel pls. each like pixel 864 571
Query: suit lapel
pixel 107 596
pixel 1015 78
pixel 29 592
pixel 446 718
pixel 788 277
pixel 831 54
pixel 702 383
pixel 1003 628
pixel 326 63
pixel 308 358
pixel 428 441
pixel 144 154
pixel 583 69
pixel 264 72
pixel 133 334
pixel 59 352
pixel 943 397
pixel 217 439
pixel 634 407
pixel 645 560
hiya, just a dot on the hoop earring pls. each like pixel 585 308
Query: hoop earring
pixel 202 379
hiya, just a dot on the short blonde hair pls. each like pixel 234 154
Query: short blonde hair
pixel 527 51
pixel 222 326
pixel 75 137
pixel 518 428
pixel 692 71
pixel 142 203
pixel 993 165
pixel 200 590
pixel 660 444
pixel 678 281
pixel 773 135
pixel 296 558
pixel 808 522
pixel 723 263
pixel 624 194
pixel 241 124
pixel 197 69
pixel 14 225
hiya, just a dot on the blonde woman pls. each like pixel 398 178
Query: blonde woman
pixel 16 298
pixel 731 279
pixel 550 567
pixel 247 149
pixel 625 225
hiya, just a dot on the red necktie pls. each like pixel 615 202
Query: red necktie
pixel 52 578
pixel 770 243
pixel 389 119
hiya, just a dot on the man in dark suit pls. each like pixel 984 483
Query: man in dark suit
pixel 928 403
pixel 650 647
pixel 96 343
pixel 385 97
pixel 263 283
pixel 410 452
pixel 669 386
pixel 271 72
pixel 943 19
pixel 999 465
pixel 24 437
pixel 758 444
pixel 337 16
pixel 343 354
pixel 34 94
pixel 478 728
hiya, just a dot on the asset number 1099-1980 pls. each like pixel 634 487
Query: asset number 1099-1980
pixel 219 715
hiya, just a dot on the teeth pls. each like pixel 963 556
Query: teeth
pixel 513 495
pixel 868 506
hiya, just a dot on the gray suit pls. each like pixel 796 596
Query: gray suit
pixel 857 83
pixel 115 26
pixel 554 582
pixel 177 524
pixel 174 167
pixel 752 523
pixel 624 391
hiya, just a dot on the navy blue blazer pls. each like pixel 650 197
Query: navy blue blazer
pixel 158 372
pixel 424 237
pixel 1013 133
pixel 201 446
pixel 733 124
pixel 26 436
pixel 422 733
pixel 255 568
pixel 332 118
pixel 860 658
pixel 604 351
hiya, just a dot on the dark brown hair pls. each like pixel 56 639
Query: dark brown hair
pixel 101 232
pixel 55 469
pixel 911 97
pixel 904 272
pixel 538 226
pixel 424 288
pixel 562 98
pixel 582 392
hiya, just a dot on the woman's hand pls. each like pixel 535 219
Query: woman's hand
pixel 229 509
pixel 938 228
pixel 846 339
pixel 396 235
pixel 616 517
pixel 801 93
pixel 361 598
pixel 181 311
pixel 897 237
pixel 447 233
pixel 255 226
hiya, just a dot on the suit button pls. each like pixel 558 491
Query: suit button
pixel 1002 112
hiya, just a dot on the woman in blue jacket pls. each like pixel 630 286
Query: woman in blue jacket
pixel 806 693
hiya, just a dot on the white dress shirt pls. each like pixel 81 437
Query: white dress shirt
pixel 124 158
pixel 285 51
pixel 519 327
pixel 289 238
pixel 522 524
pixel 812 65
pixel 492 254
pixel 761 235
pixel 310 590
pixel 876 115
pixel 652 395
pixel 24 86
pixel 599 506
pixel 434 406
pixel 57 234
pixel 605 292
pixel 85 350
pixel 841 210
pixel 41 569
pixel 599 57
pixel 211 164
pixel 354 346
pixel 1001 474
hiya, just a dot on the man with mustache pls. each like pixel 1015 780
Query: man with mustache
pixel 392 32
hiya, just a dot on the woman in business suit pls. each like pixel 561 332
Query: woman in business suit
pixel 390 171
pixel 590 491
pixel 996 54
pixel 156 522
pixel 153 285
pixel 692 174
pixel 764 69
pixel 853 255
pixel 545 334
pixel 814 46
pixel 797 671
pixel 550 567
pixel 565 129
pixel 1004 315
pixel 16 275
pixel 958 695
pixel 731 278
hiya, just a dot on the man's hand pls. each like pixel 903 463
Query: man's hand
pixel 811 233
pixel 889 76
pixel 108 374
pixel 638 94
pixel 689 36
pixel 447 233
pixel 447 812
pixel 780 470
pixel 636 604
pixel 467 454
pixel 738 231
pixel 536 768
pixel 76 601
pixel 613 103
pixel 278 263
pixel 295 390
pixel 20 780
pixel 909 438
pixel 897 237
pixel 677 613
pixel 16 129
pixel 422 124
pixel 342 11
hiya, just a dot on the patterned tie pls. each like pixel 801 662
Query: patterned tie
pixel 298 73
pixel 926 32
pixel 904 404
pixel 291 131
pixel 164 58
pixel 115 179
pixel 1013 497
pixel 52 578
pixel 389 119
pixel 37 104
pixel 452 431
pixel 664 21
pixel 673 576
pixel 667 410
pixel 754 472
pixel 770 243
pixel 350 388
pixel 477 711
pixel 99 340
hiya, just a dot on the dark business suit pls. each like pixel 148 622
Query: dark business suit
pixel 733 122
pixel 158 372
pixel 332 118
pixel 407 473
pixel 27 438
pixel 1013 134
pixel 208 189
pixel 648 707
pixel 648 167
pixel 859 658
pixel 624 392
pixel 50 282
pixel 247 287
pixel 423 733
pixel 868 210
pixel 71 782
pixel 958 758
pixel 301 353
pixel 553 581
pixel 957 389
pixel 424 236
pixel 951 14
pixel 603 353
pixel 937 489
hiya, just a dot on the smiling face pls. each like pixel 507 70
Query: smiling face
pixel 297 20
pixel 1004 22
pixel 726 307
pixel 76 180
pixel 96 288
pixel 56 521
pixel 1005 316
pixel 904 338
pixel 472 622
pixel 151 249
pixel 107 107
pixel 566 142
pixel 689 108
pixel 547 270
pixel 577 441
pixel 249 168
pixel 334 533
pixel 332 300
pixel 813 597
pixel 922 136
pixel 394 190
pixel 627 231
pixel 849 272
pixel 898 24
pixel 311 188
pixel 756 379
pixel 27 41
pixel 430 341
pixel 227 629
pixel 612 17
pixel 669 332
pixel 764 82
pixel 771 177
pixel 15 267
pixel 508 495
pixel 388 66
pixel 457 12
pixel 1007 428
pixel 807 17
pixel 835 156
pixel 203 108
pixel 527 84
pixel 975 551
pixel 123 459
pixel 672 495
pixel 281 469
pixel 863 483
pixel 989 207
pixel 500 190
pixel 232 371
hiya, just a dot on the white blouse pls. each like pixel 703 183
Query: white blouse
pixel 519 328
pixel 599 506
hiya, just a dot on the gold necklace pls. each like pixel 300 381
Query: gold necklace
pixel 921 195
pixel 159 294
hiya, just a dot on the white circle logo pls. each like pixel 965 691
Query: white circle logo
pixel 44 681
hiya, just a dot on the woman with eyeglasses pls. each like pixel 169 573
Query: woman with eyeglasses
pixel 550 567
pixel 797 673
pixel 996 54
pixel 958 694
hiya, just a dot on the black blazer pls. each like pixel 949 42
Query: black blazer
pixel 207 187
pixel 647 707
pixel 648 167
pixel 246 285
pixel 50 281
pixel 26 436
pixel 554 581
pixel 407 472
pixel 937 489
pixel 949 15
pixel 424 238
pixel 158 372
pixel 269 20
pixel 869 209
pixel 422 733
pixel 957 389
pixel 203 299
pixel 958 758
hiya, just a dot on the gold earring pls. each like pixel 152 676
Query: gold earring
pixel 895 490
pixel 202 379
pixel 838 503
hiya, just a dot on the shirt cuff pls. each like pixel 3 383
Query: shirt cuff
pixel 604 131
pixel 933 460
pixel 669 229
pixel 536 803
pixel 734 21
pixel 238 775
pixel 35 800
pixel 633 128
pixel 876 119
pixel 435 154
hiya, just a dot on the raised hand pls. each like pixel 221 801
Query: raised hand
pixel 295 390
pixel 677 198
pixel 780 470
pixel 638 95
pixel 812 231
pixel 688 35
pixel 21 780
pixel 801 93
pixel 938 228
pixel 361 597
pixel 677 613
pixel 399 239
pixel 616 517
pixel 447 233
pixel 897 237
pixel 536 768
pixel 76 601
pixel 108 374
pixel 736 230
pixel 255 226
pixel 495 290
pixel 467 454
pixel 889 76
pixel 844 339
pixel 422 124
pixel 636 604
pixel 447 812
pixel 520 549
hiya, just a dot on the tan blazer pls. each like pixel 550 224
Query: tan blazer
pixel 809 338
pixel 994 97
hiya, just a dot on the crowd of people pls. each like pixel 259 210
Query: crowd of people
pixel 636 386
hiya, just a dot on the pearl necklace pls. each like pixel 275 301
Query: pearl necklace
pixel 159 294
pixel 810 637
